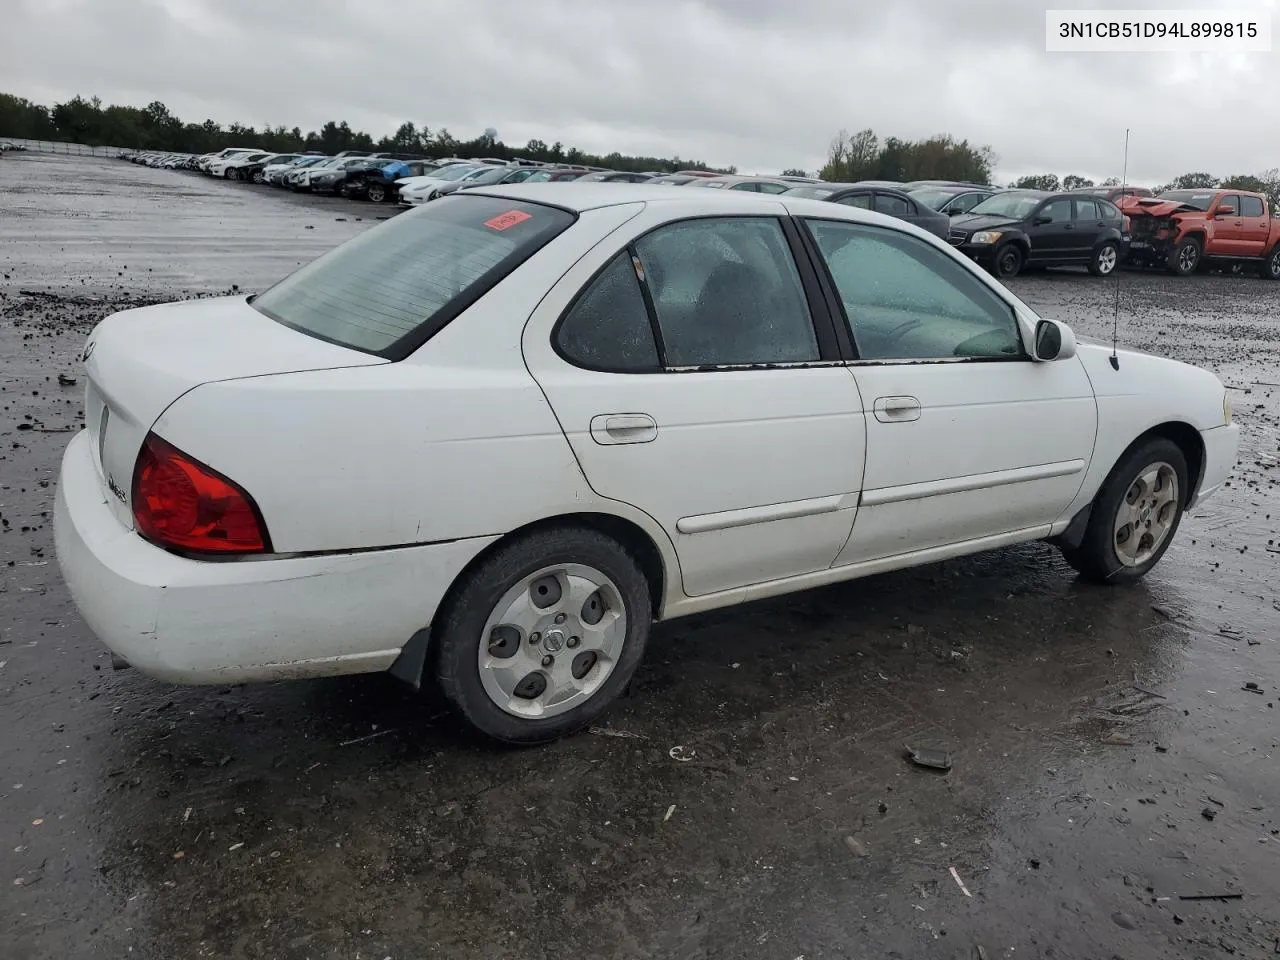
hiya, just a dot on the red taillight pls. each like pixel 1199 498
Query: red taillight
pixel 178 502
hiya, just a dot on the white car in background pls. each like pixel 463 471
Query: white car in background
pixel 207 162
pixel 230 167
pixel 594 407
pixel 276 172
pixel 417 190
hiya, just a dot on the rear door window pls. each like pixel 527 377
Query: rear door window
pixel 393 287
pixel 1251 207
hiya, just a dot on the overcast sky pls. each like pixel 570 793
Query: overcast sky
pixel 762 84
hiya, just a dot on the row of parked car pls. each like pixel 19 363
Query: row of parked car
pixel 1006 231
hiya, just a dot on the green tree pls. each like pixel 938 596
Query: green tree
pixel 794 172
pixel 1073 182
pixel 1038 181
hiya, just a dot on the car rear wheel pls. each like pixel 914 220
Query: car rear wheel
pixel 377 192
pixel 1105 259
pixel 1008 261
pixel 1184 259
pixel 258 176
pixel 1135 514
pixel 1270 267
pixel 545 632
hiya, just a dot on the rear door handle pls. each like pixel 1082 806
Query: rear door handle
pixel 614 428
pixel 896 409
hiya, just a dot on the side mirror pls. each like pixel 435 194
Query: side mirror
pixel 1041 221
pixel 1224 212
pixel 1054 341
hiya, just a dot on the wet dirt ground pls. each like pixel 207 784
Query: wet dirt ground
pixel 1108 758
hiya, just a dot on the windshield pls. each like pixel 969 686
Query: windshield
pixel 1016 205
pixel 393 287
pixel 1200 199
pixel 456 172
pixel 932 198
pixel 812 193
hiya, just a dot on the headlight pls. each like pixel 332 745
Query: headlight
pixel 1226 408
pixel 986 236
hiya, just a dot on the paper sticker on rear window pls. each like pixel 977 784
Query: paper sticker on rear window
pixel 505 221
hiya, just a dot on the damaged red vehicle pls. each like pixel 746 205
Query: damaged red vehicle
pixel 1183 229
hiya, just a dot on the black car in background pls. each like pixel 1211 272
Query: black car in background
pixel 253 171
pixel 953 199
pixel 376 180
pixel 887 200
pixel 1020 228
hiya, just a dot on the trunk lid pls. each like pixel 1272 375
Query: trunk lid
pixel 140 361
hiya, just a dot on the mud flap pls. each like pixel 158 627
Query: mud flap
pixel 1074 534
pixel 413 657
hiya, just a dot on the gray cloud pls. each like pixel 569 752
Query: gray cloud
pixel 758 83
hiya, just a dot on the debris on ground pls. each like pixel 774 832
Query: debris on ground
pixel 670 810
pixel 681 753
pixel 1124 921
pixel 620 734
pixel 1209 813
pixel 1252 687
pixel 1212 896
pixel 929 757
pixel 960 883
pixel 856 847
pixel 66 381
pixel 1114 739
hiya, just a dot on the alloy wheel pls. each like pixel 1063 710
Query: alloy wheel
pixel 552 641
pixel 1146 515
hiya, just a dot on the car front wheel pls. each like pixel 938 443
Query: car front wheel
pixel 538 639
pixel 1105 259
pixel 1135 514
pixel 1008 261
pixel 377 192
pixel 1184 259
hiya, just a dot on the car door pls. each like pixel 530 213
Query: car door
pixel 1051 230
pixel 962 204
pixel 969 440
pixel 695 381
pixel 1089 227
pixel 1228 227
pixel 861 199
pixel 1255 227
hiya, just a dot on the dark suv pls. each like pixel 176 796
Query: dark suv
pixel 1018 228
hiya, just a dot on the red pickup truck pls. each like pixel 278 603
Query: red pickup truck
pixel 1184 228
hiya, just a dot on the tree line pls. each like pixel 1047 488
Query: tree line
pixel 153 127
pixel 864 156
pixel 1267 182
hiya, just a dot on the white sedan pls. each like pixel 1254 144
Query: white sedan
pixel 489 442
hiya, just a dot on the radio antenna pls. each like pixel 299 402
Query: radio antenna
pixel 1115 321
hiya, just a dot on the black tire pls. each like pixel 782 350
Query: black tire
pixel 1184 259
pixel 1105 259
pixel 376 193
pixel 258 176
pixel 1269 269
pixel 1096 557
pixel 1008 261
pixel 460 625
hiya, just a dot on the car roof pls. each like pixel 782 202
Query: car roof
pixel 580 198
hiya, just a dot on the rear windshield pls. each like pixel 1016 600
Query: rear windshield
pixel 393 287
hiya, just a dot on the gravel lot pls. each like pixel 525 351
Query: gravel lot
pixel 349 818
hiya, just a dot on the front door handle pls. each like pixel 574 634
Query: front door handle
pixel 613 428
pixel 896 409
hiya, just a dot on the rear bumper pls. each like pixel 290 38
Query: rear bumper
pixel 191 621
pixel 1221 447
